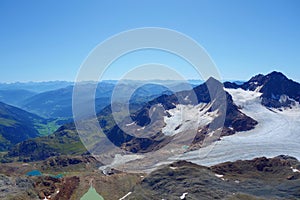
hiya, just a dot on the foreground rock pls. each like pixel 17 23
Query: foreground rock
pixel 62 178
pixel 261 178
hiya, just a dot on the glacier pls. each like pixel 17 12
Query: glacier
pixel 277 133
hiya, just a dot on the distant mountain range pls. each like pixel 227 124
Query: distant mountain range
pixel 15 97
pixel 58 103
pixel 54 99
pixel 36 87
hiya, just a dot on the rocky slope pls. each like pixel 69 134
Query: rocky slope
pixel 65 141
pixel 261 178
pixel 216 103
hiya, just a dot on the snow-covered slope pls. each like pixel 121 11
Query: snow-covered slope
pixel 277 132
pixel 187 117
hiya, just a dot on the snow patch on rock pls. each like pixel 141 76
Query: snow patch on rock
pixel 183 196
pixel 219 175
pixel 187 117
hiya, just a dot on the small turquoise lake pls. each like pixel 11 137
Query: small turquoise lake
pixel 34 173
pixel 38 173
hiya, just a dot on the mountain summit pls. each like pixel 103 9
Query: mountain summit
pixel 277 90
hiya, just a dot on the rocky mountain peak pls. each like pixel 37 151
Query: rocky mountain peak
pixel 277 90
pixel 276 75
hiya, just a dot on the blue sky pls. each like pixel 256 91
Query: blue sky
pixel 48 40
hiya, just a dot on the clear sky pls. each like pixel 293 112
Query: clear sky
pixel 49 39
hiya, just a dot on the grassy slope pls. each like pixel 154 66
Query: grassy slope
pixel 17 125
pixel 65 141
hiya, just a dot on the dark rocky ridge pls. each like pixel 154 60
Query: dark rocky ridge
pixel 277 90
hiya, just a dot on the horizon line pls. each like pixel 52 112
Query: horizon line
pixel 112 80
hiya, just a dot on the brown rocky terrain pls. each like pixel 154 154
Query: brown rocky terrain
pixel 77 171
pixel 260 178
